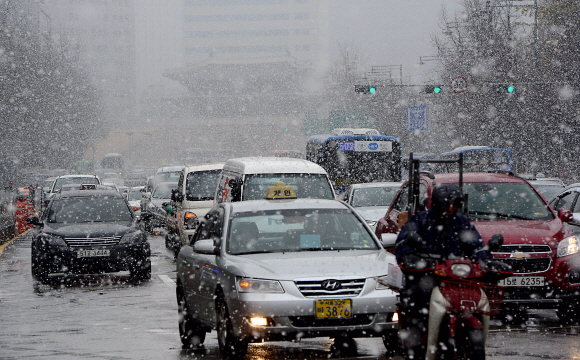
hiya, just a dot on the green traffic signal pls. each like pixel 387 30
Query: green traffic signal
pixel 510 89
pixel 432 89
pixel 372 90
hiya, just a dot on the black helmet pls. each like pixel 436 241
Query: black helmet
pixel 445 194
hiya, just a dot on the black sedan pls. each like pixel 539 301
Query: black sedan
pixel 89 232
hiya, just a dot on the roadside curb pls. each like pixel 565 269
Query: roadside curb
pixel 3 246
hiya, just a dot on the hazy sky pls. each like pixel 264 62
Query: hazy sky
pixel 390 32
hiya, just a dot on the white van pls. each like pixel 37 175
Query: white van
pixel 191 200
pixel 249 178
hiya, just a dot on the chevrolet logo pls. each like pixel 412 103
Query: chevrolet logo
pixel 519 255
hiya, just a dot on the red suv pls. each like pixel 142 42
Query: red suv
pixel 538 243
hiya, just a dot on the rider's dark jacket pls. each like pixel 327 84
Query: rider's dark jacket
pixel 442 236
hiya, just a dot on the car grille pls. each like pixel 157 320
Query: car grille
pixel 525 248
pixel 529 265
pixel 315 288
pixel 311 321
pixel 99 242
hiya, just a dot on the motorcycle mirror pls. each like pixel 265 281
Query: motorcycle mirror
pixel 414 240
pixel 495 242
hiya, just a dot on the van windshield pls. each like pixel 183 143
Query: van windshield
pixel 313 186
pixel 201 185
pixel 504 201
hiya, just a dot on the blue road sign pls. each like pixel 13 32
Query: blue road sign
pixel 417 118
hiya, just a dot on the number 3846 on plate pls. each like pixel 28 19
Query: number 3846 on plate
pixel 333 309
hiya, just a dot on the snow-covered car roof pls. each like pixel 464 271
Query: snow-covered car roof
pixel 264 205
pixel 273 165
pixel 376 184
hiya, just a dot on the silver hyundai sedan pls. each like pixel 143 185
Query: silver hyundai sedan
pixel 283 270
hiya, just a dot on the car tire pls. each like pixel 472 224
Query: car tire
pixel 168 241
pixel 230 346
pixel 39 271
pixel 392 343
pixel 568 311
pixel 343 346
pixel 513 316
pixel 192 334
pixel 141 270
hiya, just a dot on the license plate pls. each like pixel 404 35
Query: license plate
pixel 333 309
pixel 522 281
pixel 93 253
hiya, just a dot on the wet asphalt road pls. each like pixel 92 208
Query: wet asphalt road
pixel 111 317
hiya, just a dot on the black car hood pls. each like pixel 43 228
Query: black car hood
pixel 90 230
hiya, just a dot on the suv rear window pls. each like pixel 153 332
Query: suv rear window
pixel 314 186
pixel 504 201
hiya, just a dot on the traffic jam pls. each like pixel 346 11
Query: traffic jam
pixel 420 257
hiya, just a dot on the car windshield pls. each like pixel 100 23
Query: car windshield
pixel 373 196
pixel 134 195
pixel 163 191
pixel 504 201
pixel 549 191
pixel 88 209
pixel 74 180
pixel 315 186
pixel 167 176
pixel 201 185
pixel 297 230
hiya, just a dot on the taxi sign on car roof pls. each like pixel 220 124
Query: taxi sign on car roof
pixel 280 191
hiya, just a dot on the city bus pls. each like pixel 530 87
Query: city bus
pixel 479 158
pixel 352 156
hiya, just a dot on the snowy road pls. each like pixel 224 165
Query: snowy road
pixel 112 318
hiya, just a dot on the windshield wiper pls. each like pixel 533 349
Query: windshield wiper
pixel 500 215
pixel 256 252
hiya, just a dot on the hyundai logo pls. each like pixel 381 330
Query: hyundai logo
pixel 373 146
pixel 331 285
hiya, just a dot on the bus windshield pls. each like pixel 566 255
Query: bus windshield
pixel 351 159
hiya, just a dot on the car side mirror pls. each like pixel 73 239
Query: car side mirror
pixel 206 247
pixel 495 242
pixel 565 215
pixel 388 240
pixel 34 220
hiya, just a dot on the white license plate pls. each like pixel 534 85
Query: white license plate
pixel 522 281
pixel 93 253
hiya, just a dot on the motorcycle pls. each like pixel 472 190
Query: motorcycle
pixel 461 303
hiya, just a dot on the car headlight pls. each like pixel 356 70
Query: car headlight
pixel 52 240
pixel 249 285
pixel 371 222
pixel 568 246
pixel 190 220
pixel 131 238
pixel 461 270
pixel 382 282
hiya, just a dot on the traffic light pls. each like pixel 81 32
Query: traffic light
pixel 433 89
pixel 505 88
pixel 365 89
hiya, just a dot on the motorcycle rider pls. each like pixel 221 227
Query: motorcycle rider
pixel 444 233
